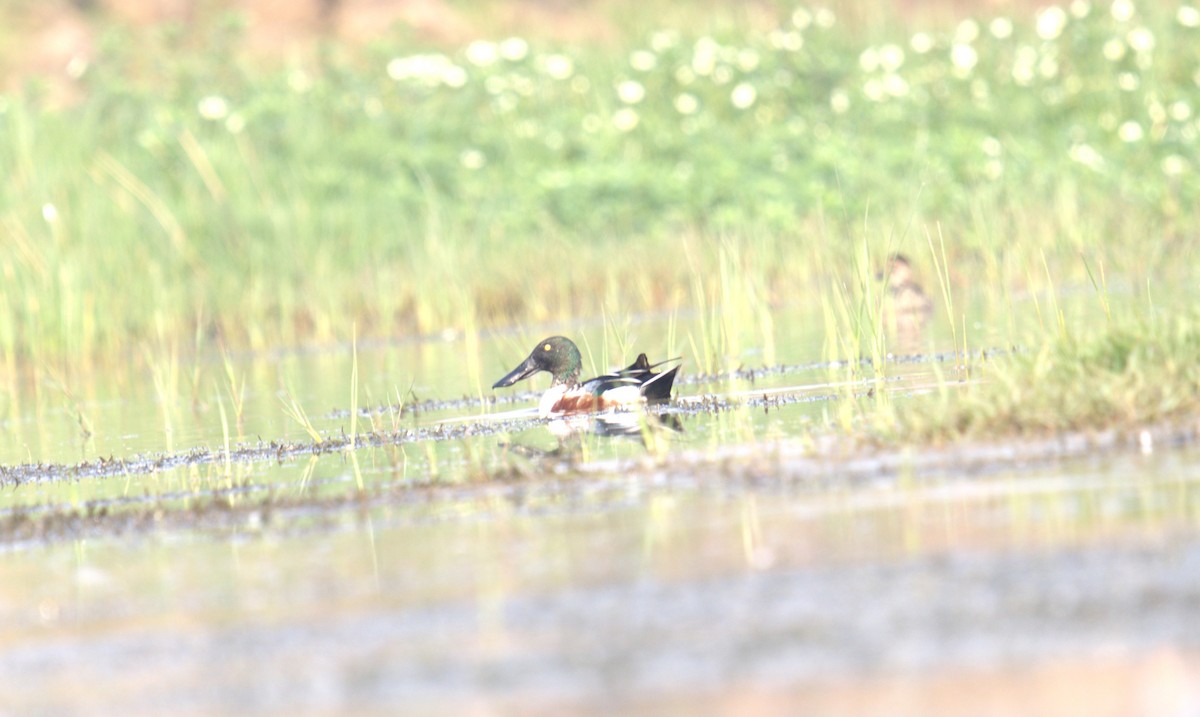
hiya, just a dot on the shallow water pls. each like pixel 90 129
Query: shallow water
pixel 473 558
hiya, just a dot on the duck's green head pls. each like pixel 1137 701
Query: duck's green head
pixel 557 355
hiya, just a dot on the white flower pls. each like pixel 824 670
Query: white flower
pixel 1173 165
pixel 966 32
pixel 1122 10
pixel 704 56
pixel 921 43
pixel 802 18
pixel 559 67
pixel 1187 16
pixel 453 76
pixel 964 58
pixel 505 103
pixel 1141 39
pixel 1128 81
pixel 1023 64
pixel 472 158
pixel 643 60
pixel 868 61
pixel 631 92
pixel 514 49
pixel 824 18
pixel 1001 28
pixel 1081 8
pixel 430 70
pixel 49 213
pixel 76 67
pixel 1087 156
pixel 1050 22
pixel 400 68
pixel 483 53
pixel 786 40
pixel 663 40
pixel 873 90
pixel 213 108
pixel 891 57
pixel 747 60
pixel 299 81
pixel 1180 111
pixel 625 119
pixel 743 95
pixel 1130 131
pixel 1114 49
pixel 895 85
pixel 686 103
pixel 1048 67
pixel 839 101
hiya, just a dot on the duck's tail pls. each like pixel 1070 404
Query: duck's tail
pixel 658 387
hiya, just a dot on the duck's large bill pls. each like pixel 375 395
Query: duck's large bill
pixel 527 368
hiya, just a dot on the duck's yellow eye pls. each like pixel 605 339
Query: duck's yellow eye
pixel 546 347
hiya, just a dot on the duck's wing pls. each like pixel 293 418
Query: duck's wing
pixel 607 382
pixel 640 373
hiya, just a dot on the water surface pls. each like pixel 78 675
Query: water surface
pixel 473 558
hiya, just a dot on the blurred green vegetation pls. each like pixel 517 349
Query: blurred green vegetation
pixel 1134 372
pixel 517 180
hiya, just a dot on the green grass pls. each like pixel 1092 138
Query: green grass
pixel 1132 372
pixel 199 196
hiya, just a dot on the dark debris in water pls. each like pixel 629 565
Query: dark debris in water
pixel 248 508
pixel 747 374
pixel 754 374
pixel 279 451
pixel 261 452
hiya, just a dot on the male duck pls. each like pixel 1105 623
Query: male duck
pixel 558 355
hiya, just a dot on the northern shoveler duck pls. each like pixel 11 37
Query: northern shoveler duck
pixel 558 355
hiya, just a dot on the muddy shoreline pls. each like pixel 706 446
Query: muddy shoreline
pixel 249 508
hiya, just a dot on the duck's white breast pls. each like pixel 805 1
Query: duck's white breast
pixel 549 399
